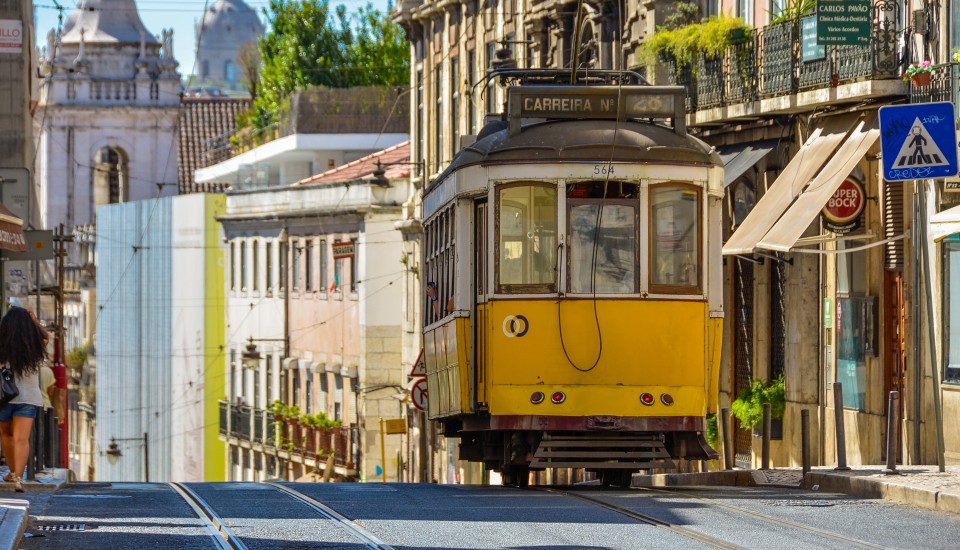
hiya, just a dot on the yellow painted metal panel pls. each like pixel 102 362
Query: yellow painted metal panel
pixel 463 346
pixel 715 330
pixel 597 400
pixel 643 342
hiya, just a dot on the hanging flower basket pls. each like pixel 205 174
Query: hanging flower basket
pixel 921 79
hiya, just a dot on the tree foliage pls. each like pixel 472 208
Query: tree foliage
pixel 311 44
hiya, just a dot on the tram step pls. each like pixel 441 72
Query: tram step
pixel 601 453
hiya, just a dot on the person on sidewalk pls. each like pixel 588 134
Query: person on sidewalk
pixel 22 350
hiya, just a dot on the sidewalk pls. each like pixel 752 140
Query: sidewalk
pixel 920 486
pixel 15 509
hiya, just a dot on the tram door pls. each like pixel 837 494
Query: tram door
pixel 742 370
pixel 894 350
pixel 481 288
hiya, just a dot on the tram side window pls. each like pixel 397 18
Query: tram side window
pixel 674 238
pixel 527 239
pixel 604 260
pixel 440 233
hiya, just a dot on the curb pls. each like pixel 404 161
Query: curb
pixel 874 488
pixel 13 521
pixel 728 478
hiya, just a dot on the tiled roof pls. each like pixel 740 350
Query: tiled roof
pixel 363 168
pixel 205 123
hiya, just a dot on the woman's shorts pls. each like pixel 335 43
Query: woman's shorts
pixel 8 411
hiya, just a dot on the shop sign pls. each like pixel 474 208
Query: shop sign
pixel 343 250
pixel 809 49
pixel 844 22
pixel 11 36
pixel 842 212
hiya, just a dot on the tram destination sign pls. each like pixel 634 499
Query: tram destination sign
pixel 844 22
pixel 605 105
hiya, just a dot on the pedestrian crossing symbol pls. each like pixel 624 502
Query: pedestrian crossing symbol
pixel 918 141
pixel 919 149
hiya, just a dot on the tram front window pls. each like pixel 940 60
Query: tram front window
pixel 602 255
pixel 527 238
pixel 674 238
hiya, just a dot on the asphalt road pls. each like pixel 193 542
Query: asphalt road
pixel 407 516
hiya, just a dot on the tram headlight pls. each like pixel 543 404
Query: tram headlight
pixel 558 397
pixel 537 397
pixel 647 399
pixel 666 399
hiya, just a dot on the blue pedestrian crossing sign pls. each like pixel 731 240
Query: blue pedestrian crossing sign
pixel 918 141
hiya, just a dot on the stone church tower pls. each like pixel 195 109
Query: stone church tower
pixel 107 116
pixel 227 26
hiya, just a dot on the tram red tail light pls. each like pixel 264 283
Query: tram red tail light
pixel 666 399
pixel 558 397
pixel 647 398
pixel 537 397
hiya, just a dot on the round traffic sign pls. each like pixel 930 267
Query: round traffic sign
pixel 418 394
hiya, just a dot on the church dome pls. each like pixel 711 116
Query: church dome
pixel 231 20
pixel 106 21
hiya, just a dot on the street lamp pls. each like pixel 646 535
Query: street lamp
pixel 113 453
pixel 250 357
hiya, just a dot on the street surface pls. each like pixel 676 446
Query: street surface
pixel 353 516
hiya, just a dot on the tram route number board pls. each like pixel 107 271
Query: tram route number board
pixel 418 394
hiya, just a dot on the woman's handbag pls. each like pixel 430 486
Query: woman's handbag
pixel 8 386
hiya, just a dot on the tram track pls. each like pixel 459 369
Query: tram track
pixel 227 539
pixel 769 519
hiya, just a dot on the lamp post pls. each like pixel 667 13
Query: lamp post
pixel 113 453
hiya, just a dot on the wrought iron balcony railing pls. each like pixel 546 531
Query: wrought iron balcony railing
pixel 780 60
pixel 944 84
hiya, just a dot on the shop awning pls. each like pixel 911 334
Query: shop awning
pixel 811 201
pixel 946 223
pixel 737 159
pixel 823 141
pixel 11 231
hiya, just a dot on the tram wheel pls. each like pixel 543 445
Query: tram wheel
pixel 516 477
pixel 616 478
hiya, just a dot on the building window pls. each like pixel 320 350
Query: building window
pixel 438 132
pixel 205 69
pixel 471 104
pixel 674 238
pixel 602 260
pixel 256 387
pixel 491 91
pixel 323 265
pixel 233 266
pixel 282 269
pixel 255 271
pixel 295 263
pixel 230 72
pixel 527 238
pixel 951 310
pixel 268 266
pixel 110 185
pixel 296 387
pixel 308 279
pixel 269 382
pixel 244 384
pixel 233 376
pixel 746 11
pixel 309 395
pixel 337 273
pixel 354 272
pixel 454 106
pixel 243 266
pixel 854 320
pixel 418 144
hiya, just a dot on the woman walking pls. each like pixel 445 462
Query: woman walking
pixel 22 350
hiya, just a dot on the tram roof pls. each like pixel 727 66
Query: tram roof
pixel 581 141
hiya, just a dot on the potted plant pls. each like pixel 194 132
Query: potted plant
pixel 918 74
pixel 748 407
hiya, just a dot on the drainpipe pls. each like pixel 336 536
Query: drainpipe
pixel 915 295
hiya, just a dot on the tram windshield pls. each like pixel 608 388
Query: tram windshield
pixel 527 235
pixel 602 256
pixel 674 238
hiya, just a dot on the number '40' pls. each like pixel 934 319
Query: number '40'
pixel 603 169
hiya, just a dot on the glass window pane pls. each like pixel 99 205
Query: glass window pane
pixel 674 236
pixel 602 261
pixel 527 231
pixel 952 322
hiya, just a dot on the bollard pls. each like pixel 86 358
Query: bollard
pixel 727 438
pixel 892 434
pixel 841 431
pixel 805 439
pixel 765 448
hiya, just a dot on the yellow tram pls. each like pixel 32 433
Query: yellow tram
pixel 573 271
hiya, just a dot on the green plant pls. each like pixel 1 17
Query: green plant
pixel 684 44
pixel 793 11
pixel 77 357
pixel 915 69
pixel 712 434
pixel 319 421
pixel 748 407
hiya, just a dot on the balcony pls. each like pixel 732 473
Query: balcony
pixel 779 69
pixel 944 84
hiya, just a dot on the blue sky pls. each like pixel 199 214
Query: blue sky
pixel 181 15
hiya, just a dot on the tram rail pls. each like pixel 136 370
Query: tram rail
pixel 228 540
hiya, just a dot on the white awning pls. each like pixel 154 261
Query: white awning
pixel 737 159
pixel 946 223
pixel 808 205
pixel 823 141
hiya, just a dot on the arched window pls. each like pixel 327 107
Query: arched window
pixel 205 69
pixel 230 72
pixel 110 179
